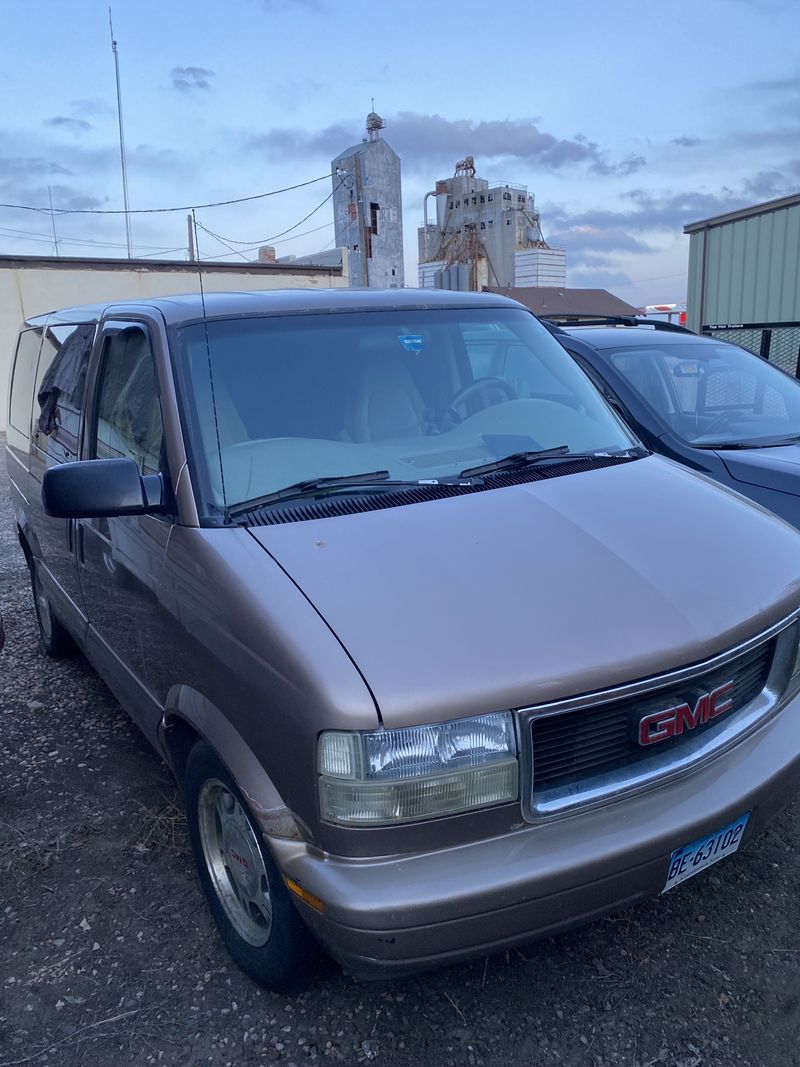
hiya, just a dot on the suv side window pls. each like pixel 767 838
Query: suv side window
pixel 19 413
pixel 128 420
pixel 60 386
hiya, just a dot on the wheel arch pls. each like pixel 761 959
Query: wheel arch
pixel 190 717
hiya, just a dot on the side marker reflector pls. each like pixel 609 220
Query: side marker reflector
pixel 304 895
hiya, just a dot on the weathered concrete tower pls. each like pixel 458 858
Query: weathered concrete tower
pixel 368 209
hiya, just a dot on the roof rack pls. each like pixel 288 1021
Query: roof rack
pixel 613 320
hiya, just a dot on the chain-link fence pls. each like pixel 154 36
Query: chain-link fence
pixel 784 348
pixel 779 344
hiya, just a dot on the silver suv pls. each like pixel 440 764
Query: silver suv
pixel 442 659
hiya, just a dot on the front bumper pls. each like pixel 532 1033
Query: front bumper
pixel 412 912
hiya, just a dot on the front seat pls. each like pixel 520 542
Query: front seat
pixel 386 402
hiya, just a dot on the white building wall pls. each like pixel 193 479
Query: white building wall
pixel 540 268
pixel 34 288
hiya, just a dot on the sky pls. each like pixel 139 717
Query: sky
pixel 626 120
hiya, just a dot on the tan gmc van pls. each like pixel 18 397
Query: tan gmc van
pixel 442 659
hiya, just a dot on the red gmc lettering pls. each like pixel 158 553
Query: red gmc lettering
pixel 687 719
pixel 716 705
pixel 661 725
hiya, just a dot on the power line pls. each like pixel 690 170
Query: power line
pixel 37 235
pixel 268 240
pixel 233 251
pixel 294 237
pixel 43 238
pixel 164 210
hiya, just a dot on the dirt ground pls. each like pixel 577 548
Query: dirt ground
pixel 107 955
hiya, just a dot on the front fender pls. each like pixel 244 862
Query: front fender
pixel 190 716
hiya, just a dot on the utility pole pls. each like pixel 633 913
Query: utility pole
pixel 121 142
pixel 192 254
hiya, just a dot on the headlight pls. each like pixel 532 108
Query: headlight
pixel 417 772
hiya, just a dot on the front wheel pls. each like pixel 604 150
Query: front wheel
pixel 56 641
pixel 254 913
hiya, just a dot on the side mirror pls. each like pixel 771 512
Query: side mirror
pixel 101 488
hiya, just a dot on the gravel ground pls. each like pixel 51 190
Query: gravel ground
pixel 107 956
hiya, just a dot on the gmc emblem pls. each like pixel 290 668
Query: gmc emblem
pixel 661 725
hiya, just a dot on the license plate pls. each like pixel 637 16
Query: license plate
pixel 693 858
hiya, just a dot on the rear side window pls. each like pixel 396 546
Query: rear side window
pixel 60 386
pixel 19 414
pixel 128 422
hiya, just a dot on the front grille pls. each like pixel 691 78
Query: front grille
pixel 573 747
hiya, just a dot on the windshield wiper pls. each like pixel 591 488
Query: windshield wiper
pixel 763 443
pixel 516 459
pixel 310 485
pixel 526 459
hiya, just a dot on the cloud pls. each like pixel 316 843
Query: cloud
pixel 650 212
pixel 790 85
pixel 37 194
pixel 14 168
pixel 66 197
pixel 770 184
pixel 589 277
pixel 92 107
pixel 189 79
pixel 72 125
pixel 629 165
pixel 686 142
pixel 589 238
pixel 426 141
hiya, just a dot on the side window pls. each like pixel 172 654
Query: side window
pixel 127 412
pixel 495 352
pixel 484 345
pixel 19 413
pixel 529 376
pixel 60 386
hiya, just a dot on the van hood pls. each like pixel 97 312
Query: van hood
pixel 536 592
pixel 774 467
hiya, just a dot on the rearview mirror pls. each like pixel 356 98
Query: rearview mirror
pixel 101 488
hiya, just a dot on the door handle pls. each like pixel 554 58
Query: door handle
pixel 70 536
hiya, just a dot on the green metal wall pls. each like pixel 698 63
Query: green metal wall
pixel 752 271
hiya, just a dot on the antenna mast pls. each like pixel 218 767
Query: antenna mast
pixel 121 141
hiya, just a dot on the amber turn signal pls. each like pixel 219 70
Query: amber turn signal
pixel 308 898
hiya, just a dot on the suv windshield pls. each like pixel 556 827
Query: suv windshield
pixel 422 395
pixel 713 394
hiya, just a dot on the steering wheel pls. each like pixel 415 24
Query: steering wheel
pixel 476 388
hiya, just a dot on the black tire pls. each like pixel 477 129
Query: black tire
pixel 286 960
pixel 55 639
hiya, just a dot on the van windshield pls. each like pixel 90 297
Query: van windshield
pixel 422 395
pixel 713 395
